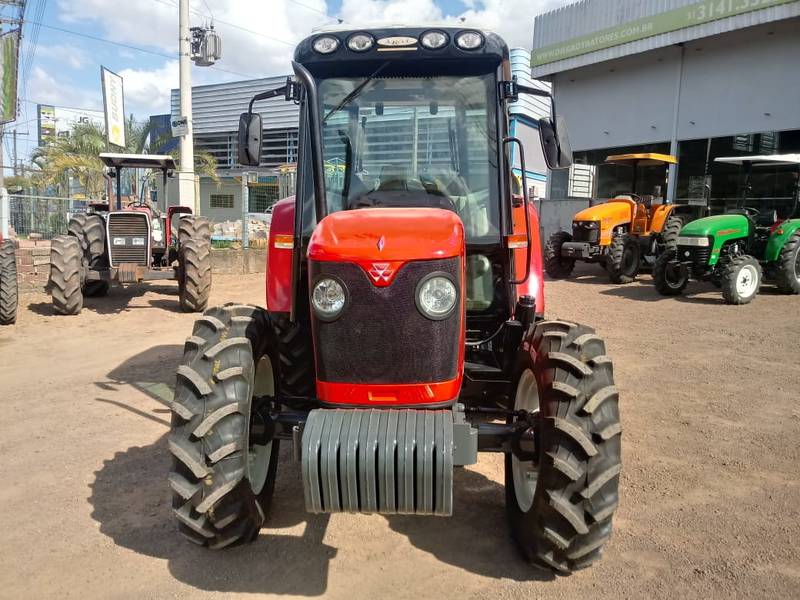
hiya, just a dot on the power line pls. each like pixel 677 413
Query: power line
pixel 137 48
pixel 306 6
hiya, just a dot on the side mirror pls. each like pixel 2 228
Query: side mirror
pixel 555 143
pixel 249 139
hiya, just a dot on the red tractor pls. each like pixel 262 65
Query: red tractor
pixel 404 330
pixel 131 244
pixel 8 282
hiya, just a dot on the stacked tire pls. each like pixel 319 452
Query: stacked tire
pixel 8 283
pixel 194 263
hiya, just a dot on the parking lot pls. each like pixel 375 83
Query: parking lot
pixel 709 489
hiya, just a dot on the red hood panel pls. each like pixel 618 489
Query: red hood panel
pixel 388 234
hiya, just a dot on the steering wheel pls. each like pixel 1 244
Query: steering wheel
pixel 751 212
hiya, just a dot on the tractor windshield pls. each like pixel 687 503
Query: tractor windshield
pixel 413 141
pixel 773 189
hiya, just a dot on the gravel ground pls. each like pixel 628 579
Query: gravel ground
pixel 709 490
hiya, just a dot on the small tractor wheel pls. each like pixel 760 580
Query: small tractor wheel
pixel 788 276
pixel 670 277
pixel 9 292
pixel 193 227
pixel 66 275
pixel 669 235
pixel 194 274
pixel 624 258
pixel 224 461
pixel 90 230
pixel 556 265
pixel 297 372
pixel 560 505
pixel 741 279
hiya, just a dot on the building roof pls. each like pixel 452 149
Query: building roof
pixel 593 31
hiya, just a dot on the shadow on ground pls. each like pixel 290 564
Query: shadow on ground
pixel 118 300
pixel 130 500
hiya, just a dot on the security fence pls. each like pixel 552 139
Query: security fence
pixel 42 215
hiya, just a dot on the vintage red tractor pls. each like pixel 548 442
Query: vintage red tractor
pixel 131 244
pixel 404 330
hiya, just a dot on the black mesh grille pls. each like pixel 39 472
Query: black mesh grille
pixel 581 232
pixel 124 230
pixel 698 256
pixel 381 337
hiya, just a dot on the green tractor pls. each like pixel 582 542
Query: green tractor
pixel 758 237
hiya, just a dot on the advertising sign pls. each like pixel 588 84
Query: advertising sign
pixel 671 20
pixel 114 107
pixel 180 126
pixel 58 121
pixel 9 55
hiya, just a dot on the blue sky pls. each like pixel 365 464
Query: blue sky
pixel 258 37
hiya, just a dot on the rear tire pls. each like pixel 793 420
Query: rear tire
pixel 556 265
pixel 90 231
pixel 9 292
pixel 194 274
pixel 788 276
pixel 65 275
pixel 741 279
pixel 193 227
pixel 669 276
pixel 562 518
pixel 222 483
pixel 624 258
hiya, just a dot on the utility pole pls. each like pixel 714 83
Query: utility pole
pixel 14 164
pixel 186 170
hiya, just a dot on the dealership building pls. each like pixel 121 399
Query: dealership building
pixel 698 80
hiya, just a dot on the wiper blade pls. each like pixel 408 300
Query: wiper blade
pixel 352 95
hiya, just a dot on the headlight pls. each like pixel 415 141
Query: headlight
pixel 433 40
pixel 360 42
pixel 469 40
pixel 328 299
pixel 326 44
pixel 436 296
pixel 587 224
pixel 693 241
pixel 158 235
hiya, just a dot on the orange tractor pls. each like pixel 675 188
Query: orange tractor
pixel 622 234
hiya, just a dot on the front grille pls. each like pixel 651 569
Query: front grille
pixel 125 230
pixel 698 256
pixel 381 337
pixel 582 232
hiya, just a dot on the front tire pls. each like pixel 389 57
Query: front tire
pixel 9 292
pixel 65 275
pixel 670 277
pixel 223 478
pixel 556 265
pixel 90 231
pixel 561 516
pixel 741 280
pixel 788 279
pixel 624 258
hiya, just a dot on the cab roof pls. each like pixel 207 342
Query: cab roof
pixel 762 159
pixel 138 161
pixel 645 159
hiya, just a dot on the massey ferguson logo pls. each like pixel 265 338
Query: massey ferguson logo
pixel 381 272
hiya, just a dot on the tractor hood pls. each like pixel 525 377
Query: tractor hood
pixel 390 234
pixel 610 213
pixel 725 225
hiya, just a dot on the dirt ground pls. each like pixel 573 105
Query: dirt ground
pixel 710 488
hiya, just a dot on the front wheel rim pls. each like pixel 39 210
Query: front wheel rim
pixel 746 281
pixel 797 264
pixel 259 456
pixel 525 473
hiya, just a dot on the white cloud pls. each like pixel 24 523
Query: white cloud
pixel 44 88
pixel 73 57
pixel 148 90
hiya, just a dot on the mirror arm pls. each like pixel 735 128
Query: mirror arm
pixel 526 89
pixel 305 78
pixel 281 91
